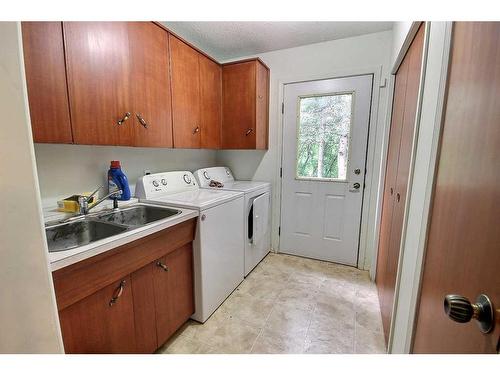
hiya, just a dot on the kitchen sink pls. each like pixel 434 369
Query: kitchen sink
pixel 82 230
pixel 78 233
pixel 137 215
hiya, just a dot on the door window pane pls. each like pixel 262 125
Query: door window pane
pixel 323 136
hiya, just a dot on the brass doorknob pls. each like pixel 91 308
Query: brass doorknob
pixel 461 310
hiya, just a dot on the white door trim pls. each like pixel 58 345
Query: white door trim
pixel 370 200
pixel 424 160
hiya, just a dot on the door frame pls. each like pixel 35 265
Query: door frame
pixel 367 242
pixel 437 47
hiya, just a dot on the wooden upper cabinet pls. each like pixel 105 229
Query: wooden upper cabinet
pixel 46 82
pixel 98 63
pixel 245 105
pixel 118 81
pixel 150 85
pixel 184 64
pixel 210 102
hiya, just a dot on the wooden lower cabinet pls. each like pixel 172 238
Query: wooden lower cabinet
pixel 137 313
pixel 94 325
pixel 173 289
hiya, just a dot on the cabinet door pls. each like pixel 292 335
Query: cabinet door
pixel 181 285
pixel 150 82
pixel 98 69
pixel 210 102
pixel 144 309
pixel 102 322
pixel 173 290
pixel 185 94
pixel 46 82
pixel 238 106
pixel 262 115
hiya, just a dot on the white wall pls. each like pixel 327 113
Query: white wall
pixel 321 60
pixel 64 170
pixel 400 31
pixel 28 315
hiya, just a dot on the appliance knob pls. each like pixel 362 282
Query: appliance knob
pixel 205 174
pixel 155 183
pixel 187 179
pixel 163 181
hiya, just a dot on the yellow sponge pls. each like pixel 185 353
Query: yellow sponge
pixel 70 204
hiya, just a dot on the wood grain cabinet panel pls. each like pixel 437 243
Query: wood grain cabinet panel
pixel 210 102
pixel 173 289
pixel 184 64
pixel 151 302
pixel 46 82
pixel 98 64
pixel 245 104
pixel 95 325
pixel 150 81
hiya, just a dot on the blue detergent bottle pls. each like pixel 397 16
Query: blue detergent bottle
pixel 118 180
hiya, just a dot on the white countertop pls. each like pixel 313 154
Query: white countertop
pixel 65 258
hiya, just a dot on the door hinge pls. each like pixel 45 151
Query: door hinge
pixel 281 172
pixel 282 107
pixel 279 231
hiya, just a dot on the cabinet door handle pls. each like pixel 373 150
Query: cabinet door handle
pixel 196 130
pixel 124 118
pixel 249 130
pixel 162 266
pixel 398 197
pixel 141 120
pixel 118 293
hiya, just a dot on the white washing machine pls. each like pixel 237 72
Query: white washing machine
pixel 218 251
pixel 257 226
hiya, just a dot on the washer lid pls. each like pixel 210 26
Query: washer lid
pixel 199 199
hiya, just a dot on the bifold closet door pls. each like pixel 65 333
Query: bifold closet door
pixel 397 174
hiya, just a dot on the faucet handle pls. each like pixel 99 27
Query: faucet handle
pixel 94 193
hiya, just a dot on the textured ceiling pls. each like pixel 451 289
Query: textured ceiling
pixel 226 40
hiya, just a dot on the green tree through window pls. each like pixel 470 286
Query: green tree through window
pixel 323 136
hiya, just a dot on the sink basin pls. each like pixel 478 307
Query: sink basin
pixel 137 215
pixel 78 233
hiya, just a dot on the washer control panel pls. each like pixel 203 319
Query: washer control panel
pixel 159 184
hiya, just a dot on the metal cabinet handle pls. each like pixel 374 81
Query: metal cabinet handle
pixel 118 293
pixel 196 130
pixel 398 197
pixel 141 120
pixel 392 191
pixel 249 130
pixel 124 118
pixel 260 96
pixel 162 266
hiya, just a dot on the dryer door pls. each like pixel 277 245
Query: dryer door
pixel 260 217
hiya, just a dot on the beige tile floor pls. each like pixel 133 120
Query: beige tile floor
pixel 290 304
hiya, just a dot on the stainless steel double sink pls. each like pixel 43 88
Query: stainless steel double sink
pixel 85 229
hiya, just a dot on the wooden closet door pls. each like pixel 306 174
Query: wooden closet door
pixel 150 82
pixel 98 69
pixel 185 94
pixel 381 278
pixel 397 177
pixel 210 102
pixel 46 82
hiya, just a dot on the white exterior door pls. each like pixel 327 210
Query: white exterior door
pixel 324 152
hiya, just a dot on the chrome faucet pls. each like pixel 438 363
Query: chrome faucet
pixel 83 201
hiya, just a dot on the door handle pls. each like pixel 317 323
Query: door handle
pixel 118 293
pixel 461 310
pixel 162 266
